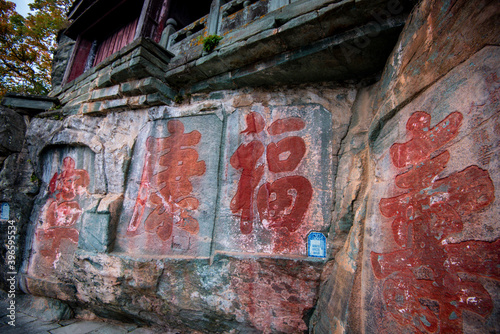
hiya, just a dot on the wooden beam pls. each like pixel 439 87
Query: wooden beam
pixel 165 10
pixel 142 19
pixel 83 20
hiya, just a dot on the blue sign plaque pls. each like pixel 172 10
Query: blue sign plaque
pixel 5 211
pixel 316 244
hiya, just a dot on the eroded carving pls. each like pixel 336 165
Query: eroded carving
pixel 284 202
pixel 429 282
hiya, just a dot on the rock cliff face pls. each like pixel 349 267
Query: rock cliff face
pixel 420 191
pixel 18 186
pixel 202 212
pixel 201 215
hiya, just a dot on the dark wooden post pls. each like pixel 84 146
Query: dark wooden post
pixel 214 17
pixel 142 19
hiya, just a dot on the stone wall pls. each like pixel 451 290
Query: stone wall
pixel 421 185
pixel 193 210
pixel 18 186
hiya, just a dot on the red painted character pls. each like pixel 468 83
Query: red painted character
pixel 63 211
pixel 424 284
pixel 284 202
pixel 167 190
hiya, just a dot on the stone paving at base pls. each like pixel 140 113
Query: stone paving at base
pixel 26 324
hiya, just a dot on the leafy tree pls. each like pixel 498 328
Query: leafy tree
pixel 27 45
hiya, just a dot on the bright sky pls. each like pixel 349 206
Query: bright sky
pixel 22 6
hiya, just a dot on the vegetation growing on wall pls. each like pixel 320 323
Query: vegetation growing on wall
pixel 210 42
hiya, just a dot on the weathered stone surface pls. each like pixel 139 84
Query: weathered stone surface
pixel 353 297
pixel 80 140
pixel 169 205
pixel 106 93
pixel 12 129
pixel 95 234
pixel 272 197
pixel 29 104
pixel 229 294
pixel 46 288
pixel 306 41
pixel 61 58
pixel 429 47
pixel 135 70
pixel 46 309
pixel 438 181
pixel 125 281
pixel 220 189
pixel 67 195
pixel 111 139
pixel 337 302
pixel 17 187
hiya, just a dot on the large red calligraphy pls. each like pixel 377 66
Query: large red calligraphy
pixel 428 281
pixel 165 187
pixel 284 202
pixel 62 209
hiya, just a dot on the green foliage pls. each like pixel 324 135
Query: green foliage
pixel 34 178
pixel 210 42
pixel 27 45
pixel 179 99
pixel 56 107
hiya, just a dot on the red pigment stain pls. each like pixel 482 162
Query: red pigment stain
pixel 62 209
pixel 168 191
pixel 286 125
pixel 272 300
pixel 285 155
pixel 255 123
pixel 245 159
pixel 284 202
pixel 423 287
pixel 425 140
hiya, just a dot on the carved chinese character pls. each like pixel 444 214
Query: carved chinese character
pixel 165 187
pixel 284 202
pixel 70 182
pixel 62 209
pixel 424 285
pixel 245 158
